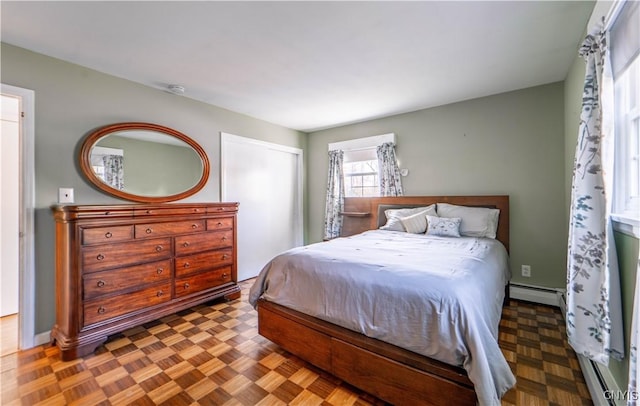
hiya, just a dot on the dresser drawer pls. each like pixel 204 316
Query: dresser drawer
pixel 188 244
pixel 162 229
pixel 122 279
pixel 102 213
pixel 223 209
pixel 171 211
pixel 103 309
pixel 205 280
pixel 105 256
pixel 106 234
pixel 205 260
pixel 221 239
pixel 224 223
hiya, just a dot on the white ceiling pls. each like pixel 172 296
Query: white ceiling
pixel 311 65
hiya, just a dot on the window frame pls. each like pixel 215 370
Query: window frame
pixel 625 212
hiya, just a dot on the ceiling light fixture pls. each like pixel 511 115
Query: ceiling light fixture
pixel 176 89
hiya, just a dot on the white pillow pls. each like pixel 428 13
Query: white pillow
pixel 394 216
pixel 415 224
pixel 444 226
pixel 476 221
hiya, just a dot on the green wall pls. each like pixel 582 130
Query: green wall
pixel 70 102
pixel 626 246
pixel 511 143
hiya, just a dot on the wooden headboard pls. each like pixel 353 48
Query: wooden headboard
pixel 363 213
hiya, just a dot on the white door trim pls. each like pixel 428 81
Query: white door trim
pixel 26 307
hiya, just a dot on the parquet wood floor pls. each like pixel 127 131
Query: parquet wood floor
pixel 213 355
pixel 8 334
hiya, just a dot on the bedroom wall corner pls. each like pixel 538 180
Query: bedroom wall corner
pixel 511 143
pixel 573 86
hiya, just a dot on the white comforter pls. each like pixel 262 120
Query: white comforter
pixel 439 297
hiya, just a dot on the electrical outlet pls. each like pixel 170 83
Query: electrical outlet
pixel 65 195
pixel 526 271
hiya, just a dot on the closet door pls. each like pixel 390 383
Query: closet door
pixel 266 179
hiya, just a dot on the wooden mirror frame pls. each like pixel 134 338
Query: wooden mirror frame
pixel 86 168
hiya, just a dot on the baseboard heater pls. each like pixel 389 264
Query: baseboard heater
pixel 535 294
pixel 603 388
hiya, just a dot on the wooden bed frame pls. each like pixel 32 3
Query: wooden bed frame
pixel 388 372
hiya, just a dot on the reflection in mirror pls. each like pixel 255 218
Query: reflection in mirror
pixel 144 162
pixel 154 164
pixel 108 165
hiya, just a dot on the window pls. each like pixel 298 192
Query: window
pixel 97 161
pixel 624 44
pixel 360 165
pixel 627 174
pixel 360 176
pixel 99 171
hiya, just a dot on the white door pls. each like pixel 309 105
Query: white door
pixel 17 202
pixel 266 179
pixel 9 204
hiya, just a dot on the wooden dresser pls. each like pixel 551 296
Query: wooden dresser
pixel 123 265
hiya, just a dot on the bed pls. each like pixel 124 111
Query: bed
pixel 365 309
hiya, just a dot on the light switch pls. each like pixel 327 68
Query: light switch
pixel 65 195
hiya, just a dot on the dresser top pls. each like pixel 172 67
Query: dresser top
pixel 71 212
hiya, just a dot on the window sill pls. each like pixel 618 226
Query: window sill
pixel 626 224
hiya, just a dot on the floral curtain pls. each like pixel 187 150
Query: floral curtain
pixel 114 171
pixel 390 181
pixel 335 196
pixel 594 312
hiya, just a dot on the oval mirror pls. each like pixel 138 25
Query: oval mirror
pixel 144 162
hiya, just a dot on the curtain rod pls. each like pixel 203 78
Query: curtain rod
pixel 604 15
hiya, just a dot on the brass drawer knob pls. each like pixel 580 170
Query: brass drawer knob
pixel 224 276
pixel 101 310
pixel 159 270
pixel 108 234
pixel 158 248
pixel 100 257
pixel 224 238
pixel 194 226
pixel 225 256
pixel 186 285
pixel 160 293
pixel 187 265
pixel 219 224
pixel 101 283
pixel 148 231
pixel 185 244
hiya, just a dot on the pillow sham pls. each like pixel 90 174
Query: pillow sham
pixel 476 221
pixel 443 226
pixel 394 216
pixel 415 224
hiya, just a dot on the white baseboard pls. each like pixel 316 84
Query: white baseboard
pixel 535 294
pixel 42 338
